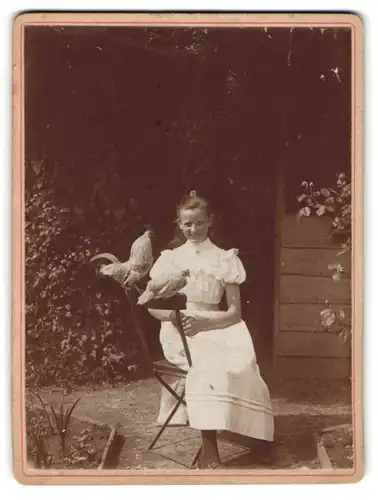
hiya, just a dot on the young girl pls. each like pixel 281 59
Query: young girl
pixel 224 389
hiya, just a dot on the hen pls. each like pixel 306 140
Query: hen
pixel 140 261
pixel 164 286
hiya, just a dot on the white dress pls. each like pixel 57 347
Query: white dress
pixel 223 389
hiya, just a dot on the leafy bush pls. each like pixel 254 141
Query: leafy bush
pixel 75 324
pixel 335 202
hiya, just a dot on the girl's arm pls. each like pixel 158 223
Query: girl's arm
pixel 160 314
pixel 219 319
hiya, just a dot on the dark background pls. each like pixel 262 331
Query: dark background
pixel 121 122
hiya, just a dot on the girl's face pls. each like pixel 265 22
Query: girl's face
pixel 195 224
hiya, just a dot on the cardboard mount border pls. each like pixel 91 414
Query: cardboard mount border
pixel 352 21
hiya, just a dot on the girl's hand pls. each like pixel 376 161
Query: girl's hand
pixel 193 325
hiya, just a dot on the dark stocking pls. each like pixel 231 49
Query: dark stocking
pixel 209 457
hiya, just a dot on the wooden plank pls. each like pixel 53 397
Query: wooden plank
pixel 279 216
pixel 313 261
pixel 304 317
pixel 310 232
pixel 309 368
pixel 314 289
pixel 316 344
pixel 323 457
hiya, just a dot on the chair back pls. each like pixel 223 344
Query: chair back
pixel 138 325
pixel 177 304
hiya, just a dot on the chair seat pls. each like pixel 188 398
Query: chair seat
pixel 164 366
pixel 177 302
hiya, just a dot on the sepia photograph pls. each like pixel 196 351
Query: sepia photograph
pixel 187 220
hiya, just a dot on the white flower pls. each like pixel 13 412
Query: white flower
pixel 336 276
pixel 338 267
pixel 328 317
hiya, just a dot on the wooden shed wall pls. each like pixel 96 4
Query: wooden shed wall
pixel 302 347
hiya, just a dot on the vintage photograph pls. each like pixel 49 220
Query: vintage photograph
pixel 187 237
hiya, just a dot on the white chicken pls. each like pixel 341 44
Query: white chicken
pixel 140 261
pixel 164 286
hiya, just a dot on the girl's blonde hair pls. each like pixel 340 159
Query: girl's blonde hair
pixel 193 201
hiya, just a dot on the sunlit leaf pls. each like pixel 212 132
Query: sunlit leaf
pixel 321 210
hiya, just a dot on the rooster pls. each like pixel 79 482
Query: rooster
pixel 129 273
pixel 164 286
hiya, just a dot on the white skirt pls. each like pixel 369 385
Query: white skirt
pixel 223 389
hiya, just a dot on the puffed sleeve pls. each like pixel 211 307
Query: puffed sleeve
pixel 233 270
pixel 162 264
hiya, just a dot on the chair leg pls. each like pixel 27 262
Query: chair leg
pixel 196 457
pixel 180 400
pixel 169 389
pixel 170 416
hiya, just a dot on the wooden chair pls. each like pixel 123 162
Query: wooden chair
pixel 162 368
